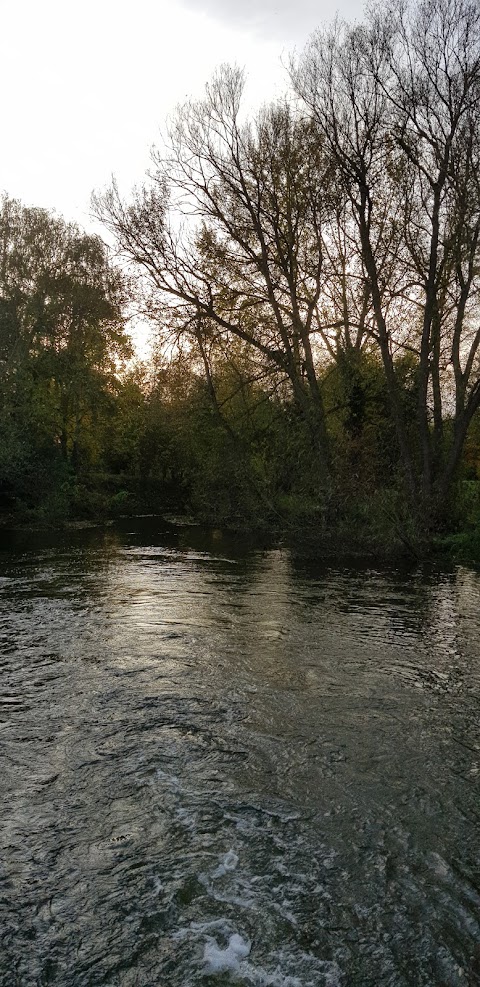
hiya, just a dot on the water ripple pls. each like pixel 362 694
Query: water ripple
pixel 228 766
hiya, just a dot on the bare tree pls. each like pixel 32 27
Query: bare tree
pixel 397 101
pixel 231 232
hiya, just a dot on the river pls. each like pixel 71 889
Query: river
pixel 226 763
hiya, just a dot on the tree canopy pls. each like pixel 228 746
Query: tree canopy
pixel 344 219
pixel 313 275
pixel 62 339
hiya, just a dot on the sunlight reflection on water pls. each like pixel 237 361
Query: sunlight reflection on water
pixel 208 746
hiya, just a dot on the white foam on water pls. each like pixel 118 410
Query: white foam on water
pixel 171 780
pixel 439 865
pixel 258 976
pixel 324 972
pixel 229 863
pixel 218 960
pixel 234 959
pixel 219 924
pixel 235 899
pixel 186 818
pixel 285 913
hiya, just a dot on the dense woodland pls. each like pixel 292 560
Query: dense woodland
pixel 311 275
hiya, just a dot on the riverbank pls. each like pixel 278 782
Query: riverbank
pixel 306 539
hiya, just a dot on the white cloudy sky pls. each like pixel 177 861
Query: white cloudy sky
pixel 86 85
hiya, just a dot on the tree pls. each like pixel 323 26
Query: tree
pixel 230 237
pixel 396 101
pixel 62 335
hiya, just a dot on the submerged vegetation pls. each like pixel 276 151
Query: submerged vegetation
pixel 313 278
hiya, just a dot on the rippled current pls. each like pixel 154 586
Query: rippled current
pixel 231 765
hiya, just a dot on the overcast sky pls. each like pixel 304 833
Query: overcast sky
pixel 87 85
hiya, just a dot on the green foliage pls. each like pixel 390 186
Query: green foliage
pixel 62 343
pixel 212 431
pixel 463 545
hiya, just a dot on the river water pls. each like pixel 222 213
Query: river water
pixel 228 764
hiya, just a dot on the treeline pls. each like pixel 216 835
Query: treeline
pixel 313 275
pixel 87 433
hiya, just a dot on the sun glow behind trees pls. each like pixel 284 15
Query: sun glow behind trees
pixel 324 249
pixel 381 152
pixel 90 85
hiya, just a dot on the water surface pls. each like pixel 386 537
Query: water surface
pixel 225 764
